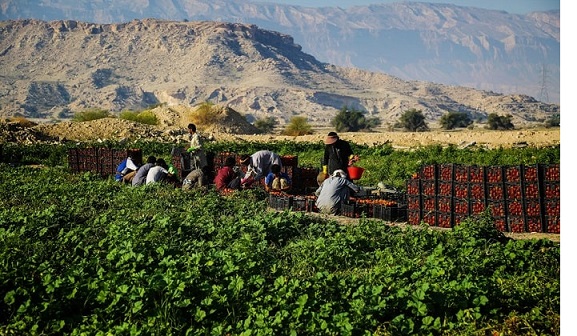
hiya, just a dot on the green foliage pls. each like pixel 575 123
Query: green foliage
pixel 553 121
pixel 91 114
pixel 82 255
pixel 497 122
pixel 352 120
pixel 205 113
pixel 144 117
pixel 265 125
pixel 298 126
pixel 413 120
pixel 453 120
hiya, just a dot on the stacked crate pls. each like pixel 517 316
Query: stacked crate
pixel 102 161
pixel 520 198
pixel 552 198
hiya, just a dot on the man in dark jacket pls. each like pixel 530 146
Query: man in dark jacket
pixel 338 154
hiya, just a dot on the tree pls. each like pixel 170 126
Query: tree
pixel 298 126
pixel 205 113
pixel 497 122
pixel 413 120
pixel 352 120
pixel 553 121
pixel 453 120
pixel 265 125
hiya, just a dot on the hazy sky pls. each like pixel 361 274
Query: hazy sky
pixel 511 6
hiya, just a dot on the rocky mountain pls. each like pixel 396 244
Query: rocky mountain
pixel 48 69
pixel 442 43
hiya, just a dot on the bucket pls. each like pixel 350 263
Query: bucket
pixel 355 172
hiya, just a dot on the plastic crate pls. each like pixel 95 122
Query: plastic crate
pixel 280 202
pixel 476 206
pixel 413 217
pixel 428 188
pixel 501 224
pixel 476 174
pixel 534 224
pixel 299 204
pixel 446 172
pixel 289 160
pixel 461 190
pixel 497 208
pixel 515 207
pixel 513 191
pixel 477 191
pixel 495 191
pixel 552 207
pixel 429 203
pixel 413 187
pixel 444 204
pixel 349 209
pixel 414 202
pixel 531 173
pixel 513 173
pixel 430 218
pixel 445 188
pixel 551 173
pixel 552 224
pixel 387 213
pixel 494 174
pixel 458 218
pixel 429 172
pixel 462 173
pixel 444 219
pixel 516 224
pixel 461 206
pixel 552 190
pixel 531 190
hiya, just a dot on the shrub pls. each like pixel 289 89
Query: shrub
pixel 144 117
pixel 22 121
pixel 91 114
pixel 205 113
pixel 413 120
pixel 265 125
pixel 453 120
pixel 553 121
pixel 298 126
pixel 497 122
pixel 352 120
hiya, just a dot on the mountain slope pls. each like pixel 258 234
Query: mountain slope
pixel 49 68
pixel 442 43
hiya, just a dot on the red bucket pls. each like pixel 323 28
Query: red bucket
pixel 355 172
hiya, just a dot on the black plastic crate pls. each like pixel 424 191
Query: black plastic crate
pixel 552 224
pixel 413 217
pixel 280 202
pixel 461 173
pixel 516 224
pixel 299 204
pixel 551 173
pixel 446 172
pixel 428 188
pixel 477 191
pixel 445 219
pixel 390 213
pixel 461 206
pixel 413 187
pixel 497 208
pixel 430 218
pixel 552 190
pixel 476 206
pixel 445 188
pixel 476 174
pixel 513 174
pixel 429 172
pixel 444 204
pixel 501 224
pixel 461 189
pixel 534 224
pixel 349 209
pixel 429 203
pixel 414 202
pixel 552 207
pixel 494 174
pixel 495 191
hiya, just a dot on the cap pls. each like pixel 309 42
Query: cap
pixel 332 137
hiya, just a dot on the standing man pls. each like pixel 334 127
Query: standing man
pixel 338 154
pixel 196 149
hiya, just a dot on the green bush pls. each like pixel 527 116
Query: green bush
pixel 265 125
pixel 91 114
pixel 497 122
pixel 453 120
pixel 145 117
pixel 413 120
pixel 352 120
pixel 553 121
pixel 298 126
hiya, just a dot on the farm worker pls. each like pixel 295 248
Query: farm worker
pixel 277 180
pixel 158 173
pixel 333 191
pixel 126 166
pixel 228 176
pixel 198 178
pixel 258 165
pixel 338 154
pixel 196 149
pixel 140 176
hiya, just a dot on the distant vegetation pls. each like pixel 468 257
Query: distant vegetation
pixel 298 126
pixel 453 120
pixel 497 122
pixel 413 120
pixel 91 114
pixel 348 119
pixel 144 117
pixel 205 113
pixel 265 125
pixel 553 121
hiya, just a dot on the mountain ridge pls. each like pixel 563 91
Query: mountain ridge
pixel 441 43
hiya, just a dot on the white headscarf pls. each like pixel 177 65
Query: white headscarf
pixel 340 172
